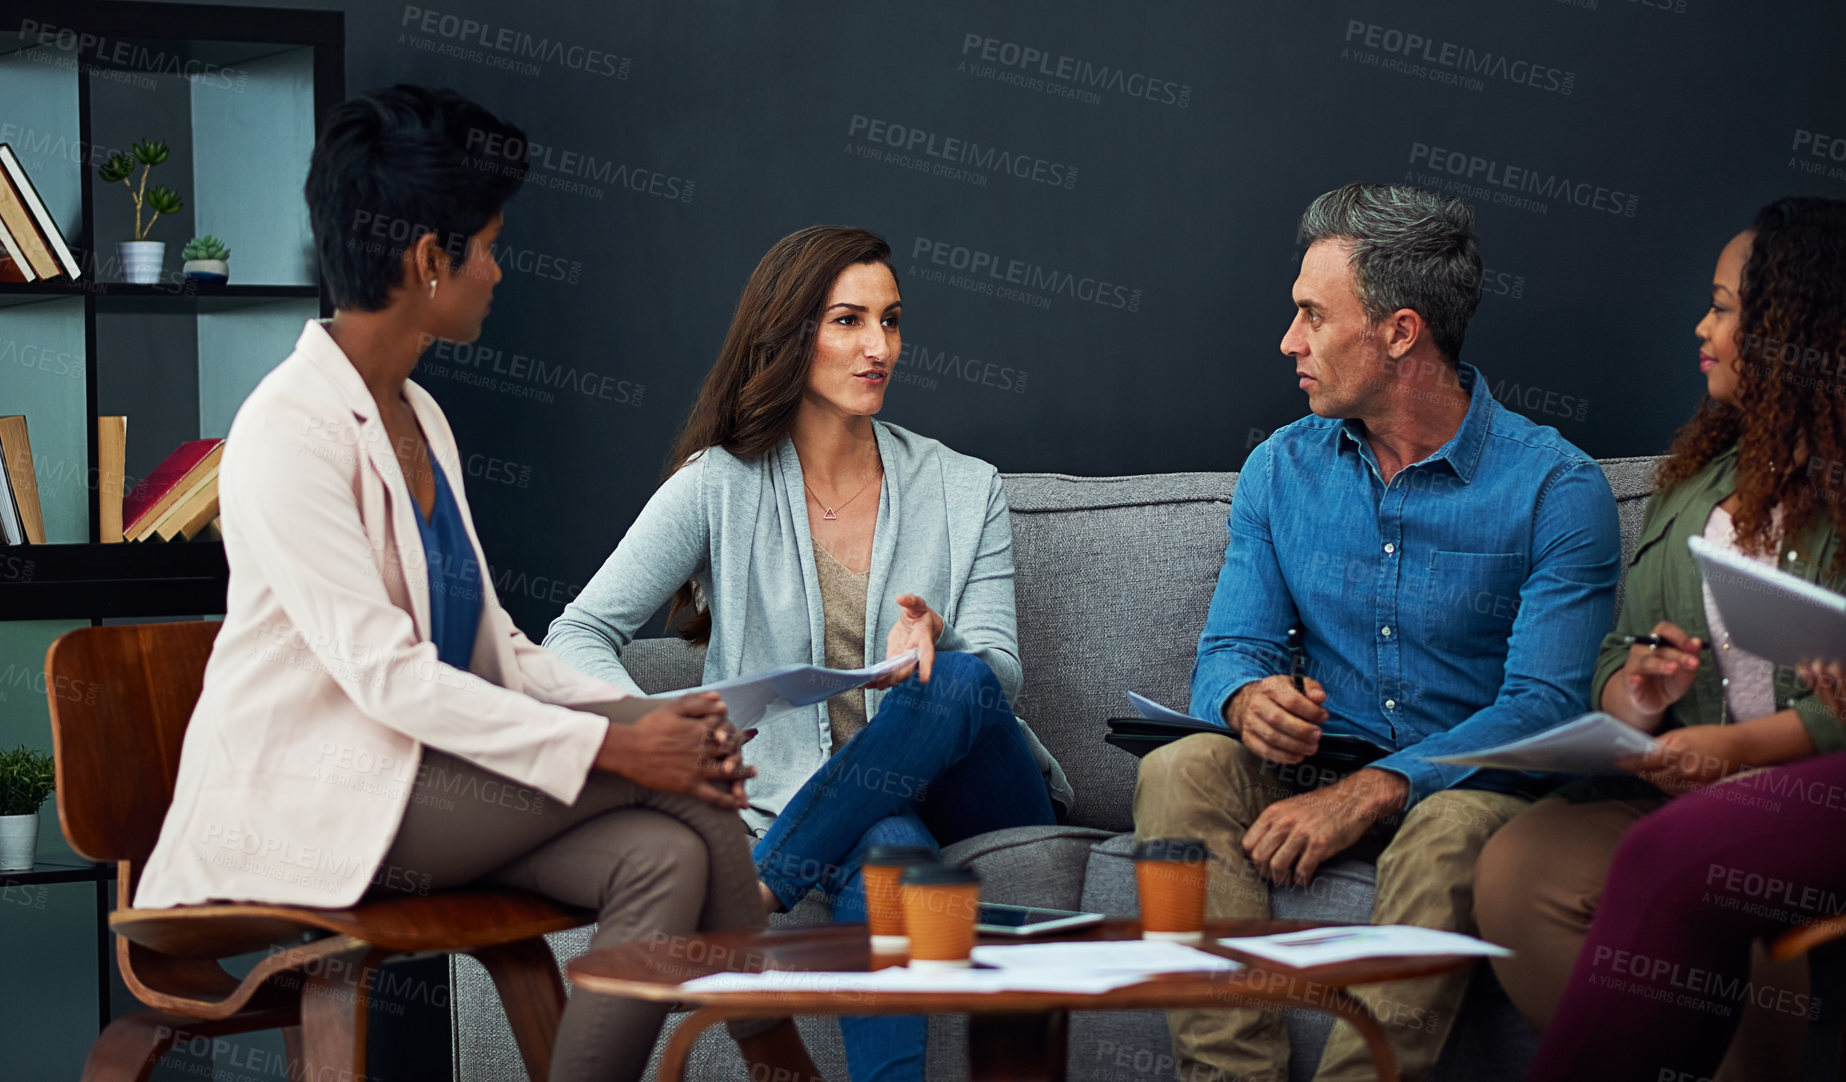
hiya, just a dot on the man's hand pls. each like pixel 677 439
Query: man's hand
pixel 1293 837
pixel 687 746
pixel 1275 721
pixel 1688 758
pixel 916 629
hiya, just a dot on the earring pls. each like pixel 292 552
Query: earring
pixel 432 289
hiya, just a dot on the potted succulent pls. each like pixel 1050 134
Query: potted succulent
pixel 205 261
pixel 142 258
pixel 26 779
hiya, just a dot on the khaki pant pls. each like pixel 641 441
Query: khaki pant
pixel 648 862
pixel 1539 884
pixel 1205 786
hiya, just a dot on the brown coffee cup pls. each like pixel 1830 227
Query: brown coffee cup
pixel 884 900
pixel 1170 876
pixel 940 907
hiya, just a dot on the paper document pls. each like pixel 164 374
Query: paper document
pixel 901 979
pixel 1102 956
pixel 1148 708
pixel 1320 946
pixel 754 697
pixel 1590 744
pixel 1771 613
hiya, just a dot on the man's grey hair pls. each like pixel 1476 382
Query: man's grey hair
pixel 1410 249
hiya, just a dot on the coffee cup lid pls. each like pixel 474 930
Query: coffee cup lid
pixel 902 855
pixel 937 875
pixel 1181 850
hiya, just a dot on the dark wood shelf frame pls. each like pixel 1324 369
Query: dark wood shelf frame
pixel 96 581
pixel 130 579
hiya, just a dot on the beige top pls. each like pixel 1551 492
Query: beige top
pixel 842 602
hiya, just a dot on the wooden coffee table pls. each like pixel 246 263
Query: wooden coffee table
pixel 1011 1035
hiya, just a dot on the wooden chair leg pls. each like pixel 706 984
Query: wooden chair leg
pixel 526 976
pixel 335 995
pixel 132 1044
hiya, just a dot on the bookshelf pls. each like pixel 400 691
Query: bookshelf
pixel 236 94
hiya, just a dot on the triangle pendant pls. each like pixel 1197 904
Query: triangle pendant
pixel 830 516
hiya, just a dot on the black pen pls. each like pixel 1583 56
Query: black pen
pixel 1297 658
pixel 1653 641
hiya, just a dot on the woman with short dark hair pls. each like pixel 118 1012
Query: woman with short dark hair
pixel 794 528
pixel 372 722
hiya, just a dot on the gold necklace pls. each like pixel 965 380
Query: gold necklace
pixel 832 513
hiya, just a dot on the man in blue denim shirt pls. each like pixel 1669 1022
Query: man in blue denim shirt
pixel 1452 567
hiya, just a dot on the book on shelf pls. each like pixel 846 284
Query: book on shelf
pixel 24 236
pixel 111 475
pixel 199 506
pixel 16 449
pixel 13 265
pixel 174 481
pixel 43 228
pixel 10 531
pixel 202 518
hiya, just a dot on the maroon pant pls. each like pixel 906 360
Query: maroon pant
pixel 1663 977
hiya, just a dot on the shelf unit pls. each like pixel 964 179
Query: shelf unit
pixel 236 93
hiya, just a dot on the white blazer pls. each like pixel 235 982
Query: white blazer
pixel 323 686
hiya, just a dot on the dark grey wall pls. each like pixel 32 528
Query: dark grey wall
pixel 1611 147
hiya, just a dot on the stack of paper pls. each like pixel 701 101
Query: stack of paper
pixel 1086 968
pixel 900 979
pixel 1103 956
pixel 1321 946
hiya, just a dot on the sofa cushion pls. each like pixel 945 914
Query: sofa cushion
pixel 1040 866
pixel 1114 575
pixel 666 664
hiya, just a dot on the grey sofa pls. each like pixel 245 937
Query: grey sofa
pixel 1114 577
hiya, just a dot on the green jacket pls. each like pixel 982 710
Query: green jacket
pixel 1663 583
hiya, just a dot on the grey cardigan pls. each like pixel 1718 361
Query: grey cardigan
pixel 739 530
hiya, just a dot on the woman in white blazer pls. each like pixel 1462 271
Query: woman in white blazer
pixel 371 721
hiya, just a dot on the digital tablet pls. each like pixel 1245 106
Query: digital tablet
pixel 1771 613
pixel 1025 920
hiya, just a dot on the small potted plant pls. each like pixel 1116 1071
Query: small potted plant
pixel 205 261
pixel 142 258
pixel 26 779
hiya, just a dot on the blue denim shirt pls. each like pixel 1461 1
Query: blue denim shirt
pixel 1458 607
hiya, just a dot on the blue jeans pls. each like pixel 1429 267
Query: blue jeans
pixel 941 762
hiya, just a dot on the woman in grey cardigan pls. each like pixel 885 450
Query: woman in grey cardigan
pixel 794 528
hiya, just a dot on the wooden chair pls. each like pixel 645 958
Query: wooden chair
pixel 117 758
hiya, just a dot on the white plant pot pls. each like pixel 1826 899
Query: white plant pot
pixel 213 272
pixel 142 260
pixel 18 842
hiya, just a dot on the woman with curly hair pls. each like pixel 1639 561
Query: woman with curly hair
pixel 1752 471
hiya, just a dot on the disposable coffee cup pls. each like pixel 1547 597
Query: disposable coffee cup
pixel 1170 877
pixel 884 900
pixel 940 906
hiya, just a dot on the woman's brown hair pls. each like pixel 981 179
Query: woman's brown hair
pixel 1792 381
pixel 748 402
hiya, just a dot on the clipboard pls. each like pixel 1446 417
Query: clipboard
pixel 1771 613
pixel 1139 736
